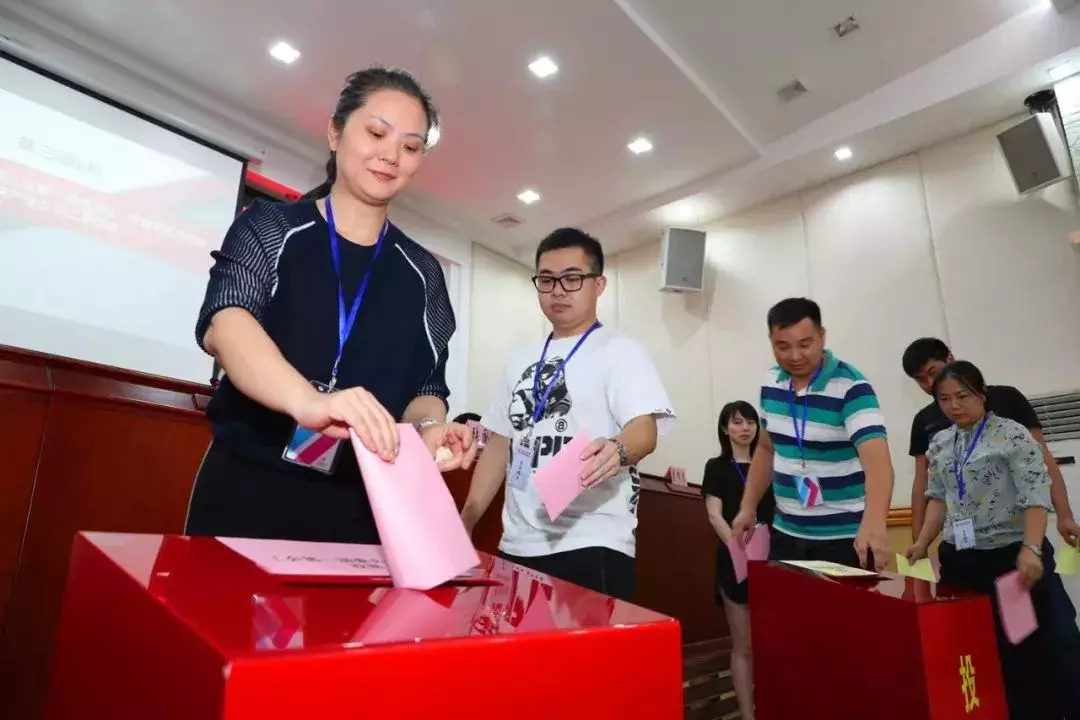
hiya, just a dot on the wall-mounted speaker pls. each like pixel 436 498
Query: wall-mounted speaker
pixel 1035 153
pixel 682 260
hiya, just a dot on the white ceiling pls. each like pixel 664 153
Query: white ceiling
pixel 698 77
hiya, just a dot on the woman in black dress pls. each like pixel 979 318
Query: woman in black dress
pixel 723 484
pixel 327 318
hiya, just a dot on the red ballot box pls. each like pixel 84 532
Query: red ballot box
pixel 169 627
pixel 882 648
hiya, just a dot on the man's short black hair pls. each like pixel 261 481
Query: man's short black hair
pixel 923 351
pixel 573 238
pixel 792 311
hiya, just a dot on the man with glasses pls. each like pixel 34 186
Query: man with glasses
pixel 585 378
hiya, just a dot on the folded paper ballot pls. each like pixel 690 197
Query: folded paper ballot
pixel 921 569
pixel 423 538
pixel 559 481
pixel 1015 608
pixel 757 547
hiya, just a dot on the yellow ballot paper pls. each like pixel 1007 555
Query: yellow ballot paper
pixel 922 569
pixel 829 569
pixel 1066 560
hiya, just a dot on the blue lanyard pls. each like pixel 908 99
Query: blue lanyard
pixel 542 400
pixel 958 465
pixel 800 433
pixel 742 475
pixel 347 320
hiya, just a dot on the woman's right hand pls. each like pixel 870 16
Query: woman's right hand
pixel 915 553
pixel 333 414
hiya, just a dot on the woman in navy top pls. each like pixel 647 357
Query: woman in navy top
pixel 725 477
pixel 326 317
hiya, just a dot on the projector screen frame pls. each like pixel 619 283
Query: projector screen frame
pixel 79 87
pixel 147 117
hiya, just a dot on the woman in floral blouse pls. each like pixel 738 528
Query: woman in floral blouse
pixel 990 491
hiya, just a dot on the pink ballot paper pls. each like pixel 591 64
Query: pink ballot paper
pixel 559 482
pixel 1015 608
pixel 738 558
pixel 422 535
pixel 757 547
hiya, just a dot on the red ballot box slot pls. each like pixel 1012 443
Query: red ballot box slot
pixel 176 628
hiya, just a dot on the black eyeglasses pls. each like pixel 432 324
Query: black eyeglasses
pixel 570 282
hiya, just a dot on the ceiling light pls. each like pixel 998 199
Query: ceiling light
pixel 843 153
pixel 284 52
pixel 1060 72
pixel 528 196
pixel 640 145
pixel 543 67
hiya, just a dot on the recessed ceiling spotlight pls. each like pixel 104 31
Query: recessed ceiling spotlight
pixel 528 196
pixel 843 153
pixel 640 145
pixel 543 67
pixel 284 52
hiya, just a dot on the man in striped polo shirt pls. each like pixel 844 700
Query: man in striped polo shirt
pixel 825 451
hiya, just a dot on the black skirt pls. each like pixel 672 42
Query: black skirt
pixel 239 496
pixel 1027 667
pixel 736 592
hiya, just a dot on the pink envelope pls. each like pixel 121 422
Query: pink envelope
pixel 423 538
pixel 559 482
pixel 757 547
pixel 738 558
pixel 1015 608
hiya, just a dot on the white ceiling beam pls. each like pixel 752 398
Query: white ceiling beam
pixel 1014 46
pixel 684 67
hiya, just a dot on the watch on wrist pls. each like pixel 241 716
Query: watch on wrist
pixel 624 454
pixel 1035 549
pixel 426 423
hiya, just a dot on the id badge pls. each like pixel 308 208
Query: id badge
pixel 521 463
pixel 311 449
pixel 809 491
pixel 963 532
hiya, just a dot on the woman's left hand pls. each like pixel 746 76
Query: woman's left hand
pixel 1030 566
pixel 455 438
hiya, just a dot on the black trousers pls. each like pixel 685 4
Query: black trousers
pixel 598 568
pixel 237 496
pixel 1030 667
pixel 787 547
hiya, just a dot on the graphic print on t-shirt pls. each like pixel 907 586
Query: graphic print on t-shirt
pixel 550 433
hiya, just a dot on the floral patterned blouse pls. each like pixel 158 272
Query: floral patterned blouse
pixel 1004 475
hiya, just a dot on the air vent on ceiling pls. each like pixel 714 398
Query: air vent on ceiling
pixel 846 26
pixel 792 90
pixel 1059 415
pixel 508 221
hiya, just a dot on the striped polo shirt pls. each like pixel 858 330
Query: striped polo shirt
pixel 843 414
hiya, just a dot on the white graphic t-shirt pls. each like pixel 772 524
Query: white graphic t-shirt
pixel 608 382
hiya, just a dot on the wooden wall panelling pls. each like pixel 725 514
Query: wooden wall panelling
pixel 117 456
pixel 24 407
pixel 676 561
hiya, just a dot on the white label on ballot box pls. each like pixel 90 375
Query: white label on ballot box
pixel 963 532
